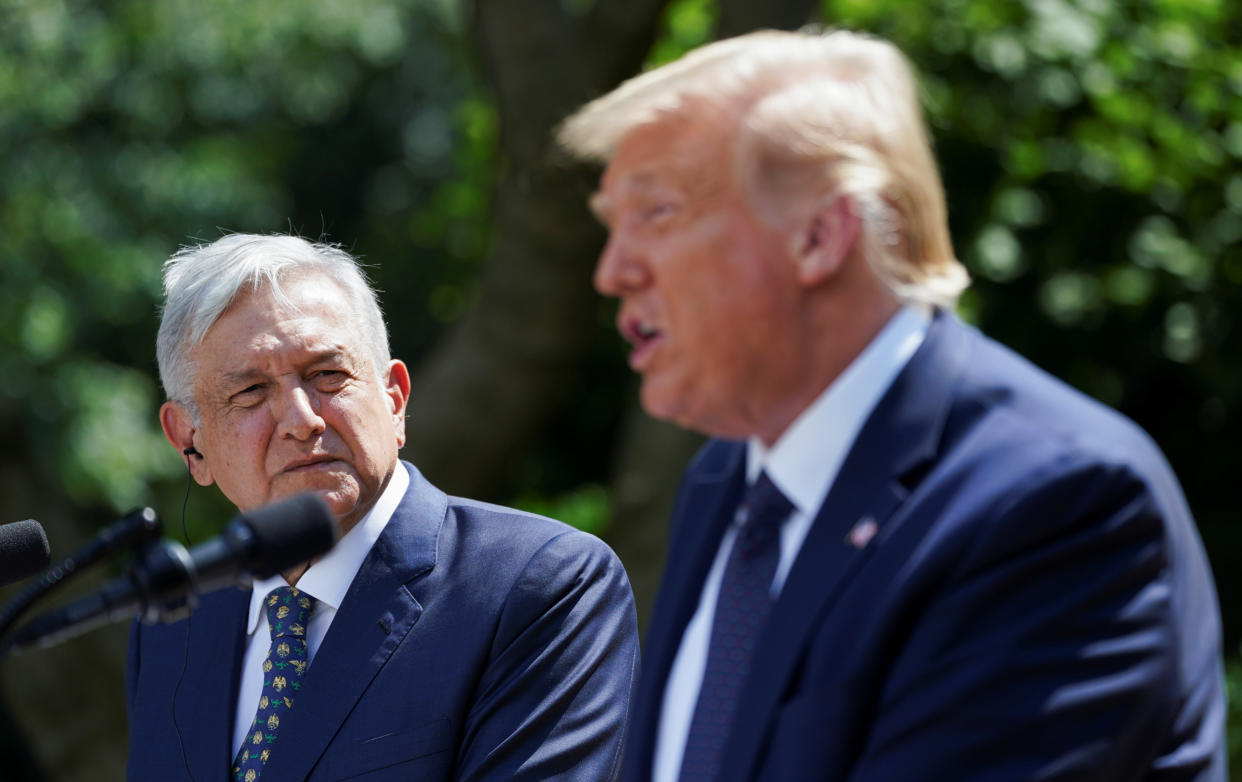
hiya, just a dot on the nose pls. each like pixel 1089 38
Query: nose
pixel 297 417
pixel 620 269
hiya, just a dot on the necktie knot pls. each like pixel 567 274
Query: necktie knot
pixel 765 509
pixel 288 609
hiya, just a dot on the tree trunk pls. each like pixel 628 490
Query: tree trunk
pixel 484 392
pixel 742 16
pixel 651 456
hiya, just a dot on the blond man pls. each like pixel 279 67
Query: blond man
pixel 906 553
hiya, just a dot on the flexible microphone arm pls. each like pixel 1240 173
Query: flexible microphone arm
pixel 163 582
pixel 136 527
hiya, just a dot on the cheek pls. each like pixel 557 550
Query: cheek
pixel 242 444
pixel 365 426
pixel 708 330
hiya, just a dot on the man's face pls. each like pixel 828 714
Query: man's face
pixel 290 402
pixel 706 290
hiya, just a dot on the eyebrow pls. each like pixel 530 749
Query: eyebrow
pixel 642 181
pixel 237 377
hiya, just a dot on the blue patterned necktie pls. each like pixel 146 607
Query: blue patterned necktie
pixel 283 669
pixel 741 608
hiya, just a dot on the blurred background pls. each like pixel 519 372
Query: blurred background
pixel 1090 150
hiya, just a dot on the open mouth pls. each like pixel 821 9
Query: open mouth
pixel 643 336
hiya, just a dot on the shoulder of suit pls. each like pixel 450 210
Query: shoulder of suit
pixel 999 383
pixel 513 522
pixel 542 549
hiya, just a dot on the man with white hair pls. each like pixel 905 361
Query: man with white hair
pixel 907 554
pixel 440 639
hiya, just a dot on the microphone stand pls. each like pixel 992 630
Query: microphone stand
pixel 160 585
pixel 129 532
pixel 164 579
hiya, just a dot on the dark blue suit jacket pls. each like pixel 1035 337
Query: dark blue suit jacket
pixel 1036 604
pixel 475 643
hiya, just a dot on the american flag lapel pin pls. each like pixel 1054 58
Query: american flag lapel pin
pixel 862 532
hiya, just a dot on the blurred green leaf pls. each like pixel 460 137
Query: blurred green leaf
pixel 587 507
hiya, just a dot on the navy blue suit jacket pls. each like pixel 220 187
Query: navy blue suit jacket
pixel 1036 604
pixel 475 643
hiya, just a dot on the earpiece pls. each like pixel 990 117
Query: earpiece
pixel 192 451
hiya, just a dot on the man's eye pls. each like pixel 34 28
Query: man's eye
pixel 658 211
pixel 329 378
pixel 249 396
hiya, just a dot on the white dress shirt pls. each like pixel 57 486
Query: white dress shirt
pixel 803 464
pixel 327 581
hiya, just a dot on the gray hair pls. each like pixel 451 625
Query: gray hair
pixel 812 115
pixel 201 282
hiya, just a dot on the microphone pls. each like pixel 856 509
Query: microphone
pixel 164 581
pixel 137 527
pixel 23 550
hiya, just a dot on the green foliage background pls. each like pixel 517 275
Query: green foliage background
pixel 1090 151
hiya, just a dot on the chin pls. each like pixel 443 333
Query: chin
pixel 666 405
pixel 709 417
pixel 340 494
pixel 658 405
pixel 340 500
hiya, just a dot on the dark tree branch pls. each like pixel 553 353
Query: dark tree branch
pixel 742 16
pixel 633 26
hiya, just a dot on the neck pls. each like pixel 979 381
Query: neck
pixel 294 574
pixel 836 333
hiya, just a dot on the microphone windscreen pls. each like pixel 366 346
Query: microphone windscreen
pixel 288 533
pixel 24 550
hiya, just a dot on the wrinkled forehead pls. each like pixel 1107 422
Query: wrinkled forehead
pixel 309 305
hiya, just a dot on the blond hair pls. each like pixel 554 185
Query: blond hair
pixel 813 115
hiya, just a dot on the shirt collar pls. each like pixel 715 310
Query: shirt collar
pixel 804 461
pixel 329 578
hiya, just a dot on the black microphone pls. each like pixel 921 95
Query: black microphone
pixel 23 550
pixel 164 581
pixel 137 527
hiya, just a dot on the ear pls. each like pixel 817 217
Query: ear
pixel 825 240
pixel 181 433
pixel 398 392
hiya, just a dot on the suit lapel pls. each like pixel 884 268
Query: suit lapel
pixel 900 437
pixel 207 699
pixel 705 507
pixel 374 618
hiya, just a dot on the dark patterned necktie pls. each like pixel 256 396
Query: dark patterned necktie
pixel 741 608
pixel 287 658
